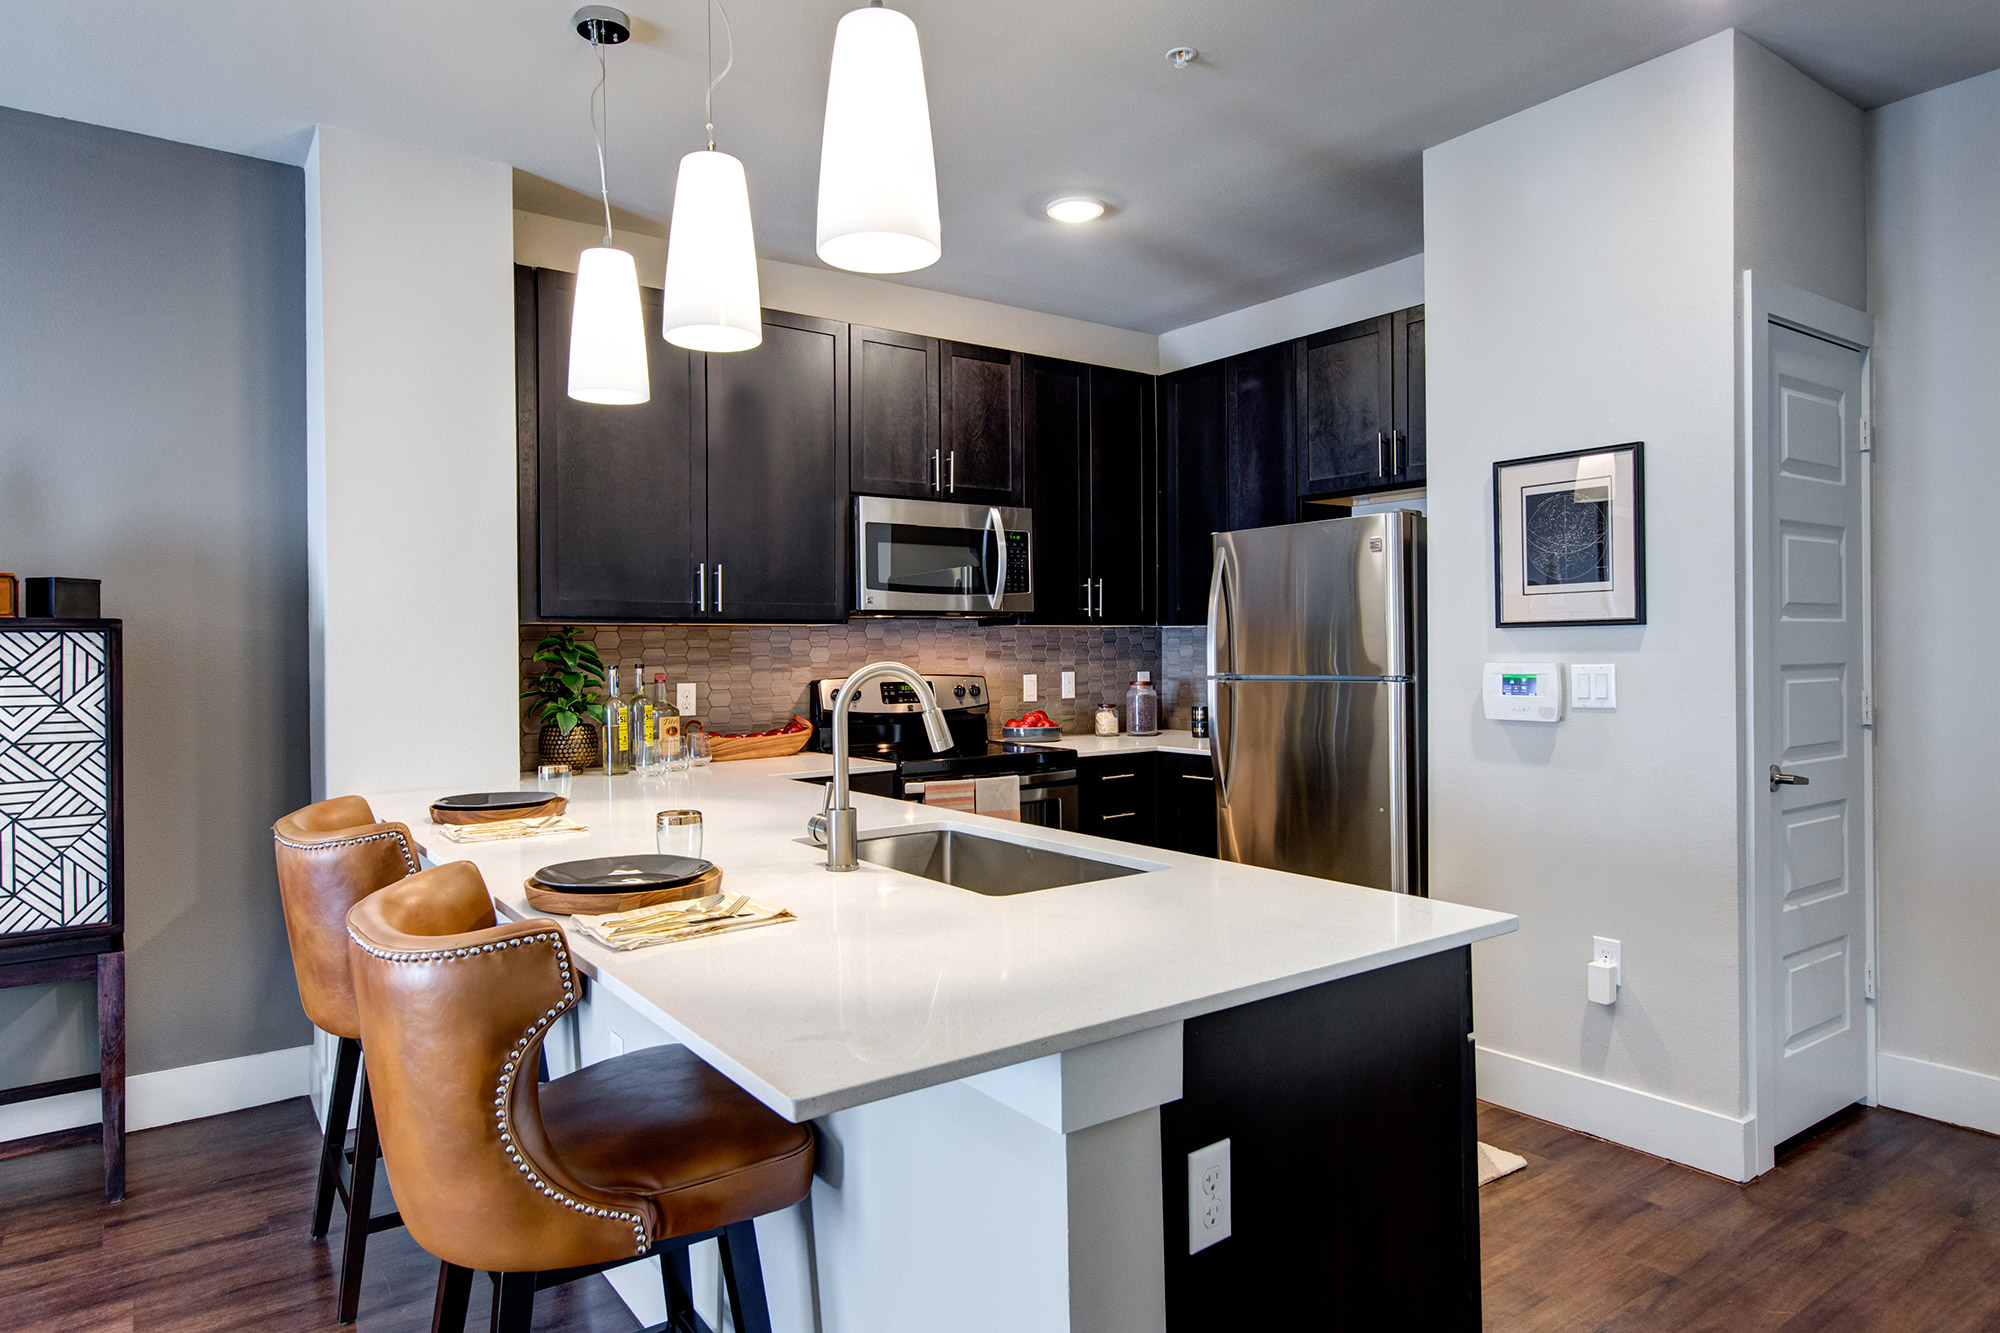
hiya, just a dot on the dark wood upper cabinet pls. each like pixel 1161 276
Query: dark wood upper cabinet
pixel 982 443
pixel 1262 407
pixel 1349 408
pixel 778 506
pixel 1194 460
pixel 894 383
pixel 1056 409
pixel 1412 444
pixel 1121 491
pixel 617 517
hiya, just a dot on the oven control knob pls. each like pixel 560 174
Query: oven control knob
pixel 959 690
pixel 975 691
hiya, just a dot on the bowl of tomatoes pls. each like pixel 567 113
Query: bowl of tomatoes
pixel 1032 726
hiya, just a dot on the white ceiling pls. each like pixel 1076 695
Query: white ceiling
pixel 1288 156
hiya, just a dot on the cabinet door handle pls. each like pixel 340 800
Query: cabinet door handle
pixel 1086 599
pixel 951 483
pixel 1115 777
pixel 1198 777
pixel 937 472
pixel 701 587
pixel 1381 453
pixel 1100 599
pixel 718 590
pixel 1129 814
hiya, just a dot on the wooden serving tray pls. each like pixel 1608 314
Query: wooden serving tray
pixel 555 805
pixel 558 903
pixel 759 747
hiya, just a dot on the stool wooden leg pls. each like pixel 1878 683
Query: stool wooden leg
pixel 743 1276
pixel 513 1303
pixel 453 1295
pixel 111 1068
pixel 333 1145
pixel 360 1201
pixel 678 1279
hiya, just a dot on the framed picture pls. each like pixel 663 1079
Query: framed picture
pixel 1569 538
pixel 10 595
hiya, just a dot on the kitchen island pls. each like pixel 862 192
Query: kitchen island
pixel 987 1073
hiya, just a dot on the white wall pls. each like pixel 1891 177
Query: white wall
pixel 410 466
pixel 1934 288
pixel 546 242
pixel 1580 289
pixel 1378 291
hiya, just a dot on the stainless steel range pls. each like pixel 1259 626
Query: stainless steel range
pixel 887 724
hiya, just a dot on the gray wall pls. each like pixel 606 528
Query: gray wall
pixel 1934 289
pixel 152 435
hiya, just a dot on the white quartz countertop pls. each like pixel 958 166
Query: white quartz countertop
pixel 1171 742
pixel 887 983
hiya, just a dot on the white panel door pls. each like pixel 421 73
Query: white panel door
pixel 1814 907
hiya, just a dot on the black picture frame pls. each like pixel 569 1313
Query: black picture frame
pixel 1513 479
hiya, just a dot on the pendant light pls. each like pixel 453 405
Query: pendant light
pixel 712 302
pixel 607 334
pixel 878 204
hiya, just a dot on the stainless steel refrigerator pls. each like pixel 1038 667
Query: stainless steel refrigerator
pixel 1316 698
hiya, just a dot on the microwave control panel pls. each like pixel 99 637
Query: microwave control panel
pixel 1523 692
pixel 1017 562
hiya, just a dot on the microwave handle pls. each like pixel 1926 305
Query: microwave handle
pixel 997 530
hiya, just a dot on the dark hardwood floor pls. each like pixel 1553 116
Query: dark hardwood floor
pixel 1885 1222
pixel 212 1236
pixel 1882 1222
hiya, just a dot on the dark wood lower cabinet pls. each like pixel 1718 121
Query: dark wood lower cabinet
pixel 1186 820
pixel 1349 1112
pixel 1115 796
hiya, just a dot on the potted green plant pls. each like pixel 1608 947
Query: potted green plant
pixel 566 699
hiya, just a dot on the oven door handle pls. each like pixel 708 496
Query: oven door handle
pixel 997 530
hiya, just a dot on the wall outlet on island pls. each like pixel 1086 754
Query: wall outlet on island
pixel 1208 1196
pixel 684 700
pixel 1029 691
pixel 1069 684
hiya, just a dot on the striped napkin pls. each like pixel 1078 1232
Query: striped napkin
pixel 500 830
pixel 667 923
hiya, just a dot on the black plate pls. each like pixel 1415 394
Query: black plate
pixel 493 800
pixel 622 874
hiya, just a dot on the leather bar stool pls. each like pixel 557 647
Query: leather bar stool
pixel 331 856
pixel 538 1184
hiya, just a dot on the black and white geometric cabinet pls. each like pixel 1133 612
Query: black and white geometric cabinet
pixel 62 848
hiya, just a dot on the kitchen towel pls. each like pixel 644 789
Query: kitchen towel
pixel 1497 1162
pixel 958 794
pixel 668 923
pixel 998 797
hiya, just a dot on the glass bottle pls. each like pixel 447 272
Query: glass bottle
pixel 1142 707
pixel 673 752
pixel 1107 721
pixel 617 727
pixel 645 735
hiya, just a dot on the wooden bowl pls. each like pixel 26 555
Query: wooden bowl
pixel 760 747
pixel 555 805
pixel 559 903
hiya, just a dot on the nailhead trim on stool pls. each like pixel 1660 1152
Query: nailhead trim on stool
pixel 641 1241
pixel 401 843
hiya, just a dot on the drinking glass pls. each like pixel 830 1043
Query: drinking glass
pixel 553 779
pixel 679 832
pixel 697 748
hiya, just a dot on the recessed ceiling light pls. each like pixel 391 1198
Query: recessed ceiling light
pixel 1076 208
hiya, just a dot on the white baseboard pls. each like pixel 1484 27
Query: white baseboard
pixel 1722 1145
pixel 1940 1092
pixel 172 1095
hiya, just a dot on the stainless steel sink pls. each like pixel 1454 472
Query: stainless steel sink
pixel 991 866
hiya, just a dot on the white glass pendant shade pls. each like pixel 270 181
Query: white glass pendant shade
pixel 712 302
pixel 607 334
pixel 878 201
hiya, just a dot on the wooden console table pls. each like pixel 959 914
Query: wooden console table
pixel 62 849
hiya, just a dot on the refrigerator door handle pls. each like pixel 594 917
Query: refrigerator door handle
pixel 1400 878
pixel 1220 659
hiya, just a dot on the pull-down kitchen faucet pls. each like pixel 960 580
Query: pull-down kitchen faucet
pixel 835 824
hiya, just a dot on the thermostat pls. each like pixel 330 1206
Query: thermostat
pixel 1524 692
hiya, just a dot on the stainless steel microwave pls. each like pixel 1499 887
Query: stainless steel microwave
pixel 931 557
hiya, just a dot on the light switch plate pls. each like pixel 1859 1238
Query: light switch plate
pixel 1029 690
pixel 1069 684
pixel 1593 687
pixel 684 699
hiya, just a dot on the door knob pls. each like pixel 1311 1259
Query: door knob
pixel 1780 778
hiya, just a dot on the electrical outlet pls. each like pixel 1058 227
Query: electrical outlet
pixel 1069 684
pixel 1605 973
pixel 684 699
pixel 617 1041
pixel 1208 1196
pixel 1607 951
pixel 1029 691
